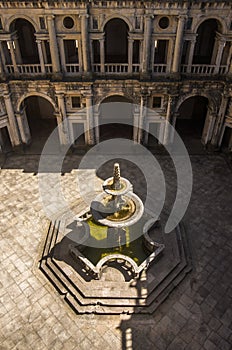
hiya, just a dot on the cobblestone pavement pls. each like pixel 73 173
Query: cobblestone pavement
pixel 197 315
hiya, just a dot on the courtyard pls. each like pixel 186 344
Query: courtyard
pixel 196 315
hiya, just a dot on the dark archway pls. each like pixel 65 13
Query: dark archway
pixel 5 142
pixel 27 41
pixel 120 109
pixel 191 119
pixel 116 41
pixel 204 47
pixel 41 121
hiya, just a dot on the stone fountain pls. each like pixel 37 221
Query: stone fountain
pixel 107 258
pixel 120 212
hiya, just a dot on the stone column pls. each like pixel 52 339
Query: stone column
pixel 44 51
pixel 221 44
pixel 170 54
pixel 130 54
pixel 147 44
pixel 220 119
pixel 17 51
pixel 102 54
pixel 142 116
pixel 13 58
pixel 62 119
pixel 167 122
pixel 190 56
pixel 136 114
pixel 89 119
pixel 178 44
pixel 12 121
pixel 229 60
pixel 85 42
pixel 41 58
pixel 53 44
pixel 2 73
pixel 62 54
pixel 2 55
pixel 23 127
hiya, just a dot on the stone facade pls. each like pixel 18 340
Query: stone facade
pixel 168 52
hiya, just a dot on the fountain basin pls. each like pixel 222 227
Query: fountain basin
pixel 135 255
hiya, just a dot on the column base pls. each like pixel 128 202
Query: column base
pixel 57 76
pixel 145 76
pixel 87 75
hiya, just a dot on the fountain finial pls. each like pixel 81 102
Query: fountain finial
pixel 116 177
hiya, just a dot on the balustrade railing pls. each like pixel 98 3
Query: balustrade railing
pixel 203 69
pixel 48 68
pixel 116 68
pixel 135 68
pixel 24 69
pixel 159 68
pixel 72 68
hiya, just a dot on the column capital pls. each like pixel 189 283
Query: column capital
pixel 83 15
pixel 59 93
pixel 182 18
pixel 50 17
pixel 148 16
pixel 88 95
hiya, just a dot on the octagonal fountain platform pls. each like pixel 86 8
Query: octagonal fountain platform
pixel 113 257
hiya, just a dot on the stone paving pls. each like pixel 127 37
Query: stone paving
pixel 197 315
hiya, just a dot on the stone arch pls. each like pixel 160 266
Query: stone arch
pixel 191 117
pixel 184 97
pixel 123 18
pixel 15 17
pixel 221 23
pixel 118 121
pixel 205 49
pixel 39 121
pixel 26 49
pixel 39 94
pixel 116 41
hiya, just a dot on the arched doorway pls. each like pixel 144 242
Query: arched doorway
pixel 120 109
pixel 41 121
pixel 116 41
pixel 191 118
pixel 204 47
pixel 5 142
pixel 28 50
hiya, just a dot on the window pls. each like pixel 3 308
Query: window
pixel 189 23
pixel 231 25
pixel 164 22
pixel 137 22
pixel 95 23
pixel 68 22
pixel 42 23
pixel 1 24
pixel 161 50
pixel 76 101
pixel 156 102
pixel 136 51
pixel 96 51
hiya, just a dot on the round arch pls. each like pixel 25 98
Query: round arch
pixel 185 97
pixel 27 51
pixel 38 94
pixel 116 41
pixel 123 18
pixel 221 23
pixel 15 17
pixel 191 118
pixel 39 120
pixel 116 117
